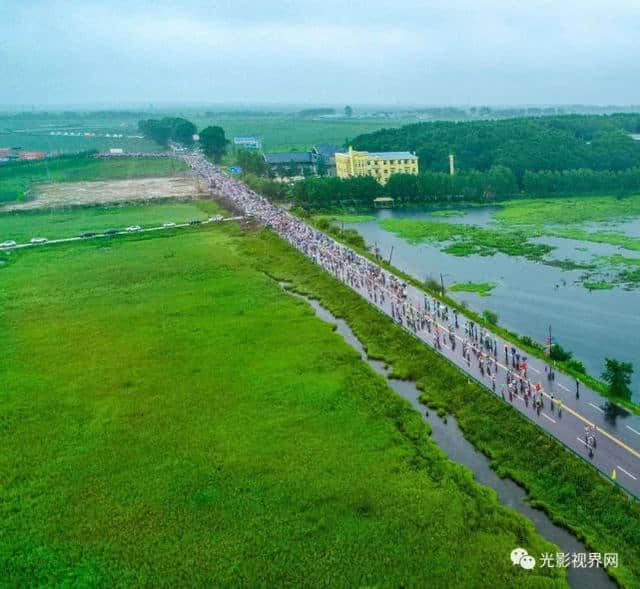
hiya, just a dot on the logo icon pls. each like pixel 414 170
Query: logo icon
pixel 521 556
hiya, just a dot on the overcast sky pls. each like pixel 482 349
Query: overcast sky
pixel 320 51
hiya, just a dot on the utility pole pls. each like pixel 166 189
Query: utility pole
pixel 442 283
pixel 391 255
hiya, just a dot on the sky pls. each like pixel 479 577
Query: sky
pixel 398 52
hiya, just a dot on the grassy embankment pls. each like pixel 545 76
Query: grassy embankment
pixel 17 178
pixel 69 222
pixel 524 342
pixel 180 420
pixel 571 491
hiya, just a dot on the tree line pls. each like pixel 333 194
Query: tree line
pixel 212 138
pixel 581 181
pixel 168 129
pixel 497 182
pixel 555 143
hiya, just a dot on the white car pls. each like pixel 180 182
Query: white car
pixel 7 244
pixel 216 218
pixel 39 240
pixel 167 225
pixel 133 228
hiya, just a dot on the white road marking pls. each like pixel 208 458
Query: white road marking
pixel 534 369
pixel 581 440
pixel 633 430
pixel 565 388
pixel 625 472
pixel 596 407
pixel 549 418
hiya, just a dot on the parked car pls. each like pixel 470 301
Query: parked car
pixel 111 232
pixel 195 222
pixel 39 240
pixel 133 228
pixel 7 244
pixel 216 218
pixel 88 234
pixel 170 224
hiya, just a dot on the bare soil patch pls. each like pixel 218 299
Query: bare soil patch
pixel 63 194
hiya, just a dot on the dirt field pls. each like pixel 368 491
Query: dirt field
pixel 61 194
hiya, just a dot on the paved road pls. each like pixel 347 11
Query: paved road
pixel 617 453
pixel 617 448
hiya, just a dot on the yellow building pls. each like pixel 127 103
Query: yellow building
pixel 380 164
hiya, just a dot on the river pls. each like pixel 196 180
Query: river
pixel 529 296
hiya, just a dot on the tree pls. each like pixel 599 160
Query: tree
pixel 156 131
pixel 560 354
pixel 490 317
pixel 618 376
pixel 403 186
pixel 251 162
pixel 184 131
pixel 168 128
pixel 213 142
pixel 348 111
pixel 321 167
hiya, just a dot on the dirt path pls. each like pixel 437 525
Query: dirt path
pixel 60 194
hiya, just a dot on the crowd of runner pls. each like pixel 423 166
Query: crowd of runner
pixel 428 319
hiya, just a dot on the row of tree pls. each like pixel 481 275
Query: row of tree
pixel 326 191
pixel 212 139
pixel 168 129
pixel 497 182
pixel 582 181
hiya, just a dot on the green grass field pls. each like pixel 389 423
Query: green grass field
pixel 169 416
pixel 566 487
pixel 21 226
pixel 283 132
pixel 60 144
pixel 17 178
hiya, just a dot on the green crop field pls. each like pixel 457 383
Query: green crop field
pixel 58 223
pixel 64 144
pixel 283 132
pixel 17 178
pixel 170 416
pixel 280 131
pixel 33 131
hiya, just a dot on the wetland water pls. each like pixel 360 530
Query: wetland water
pixel 529 296
pixel 450 440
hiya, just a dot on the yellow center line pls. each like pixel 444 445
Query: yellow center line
pixel 573 412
